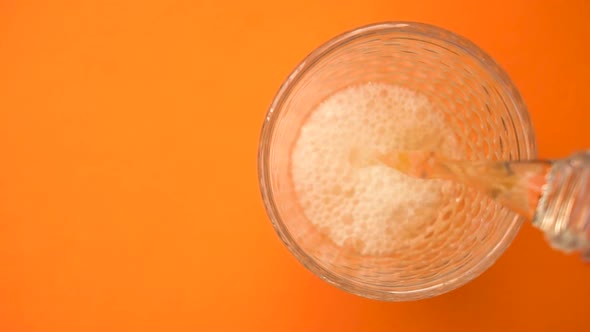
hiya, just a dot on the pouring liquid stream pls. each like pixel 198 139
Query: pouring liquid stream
pixel 517 185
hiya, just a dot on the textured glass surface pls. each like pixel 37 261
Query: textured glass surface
pixel 481 106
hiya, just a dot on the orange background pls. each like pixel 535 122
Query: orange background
pixel 128 189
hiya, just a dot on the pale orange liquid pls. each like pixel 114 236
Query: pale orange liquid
pixel 516 185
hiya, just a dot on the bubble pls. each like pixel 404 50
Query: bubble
pixel 360 204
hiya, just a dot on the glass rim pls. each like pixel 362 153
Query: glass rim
pixel 528 147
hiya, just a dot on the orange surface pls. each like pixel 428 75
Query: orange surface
pixel 128 191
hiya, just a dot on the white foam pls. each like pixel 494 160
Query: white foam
pixel 368 206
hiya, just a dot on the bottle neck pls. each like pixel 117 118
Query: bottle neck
pixel 563 212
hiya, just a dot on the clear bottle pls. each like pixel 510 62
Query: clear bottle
pixel 563 212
